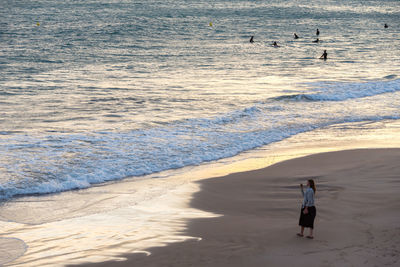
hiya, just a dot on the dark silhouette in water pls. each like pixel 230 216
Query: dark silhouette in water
pixel 317 33
pixel 296 36
pixel 251 39
pixel 275 44
pixel 324 55
pixel 316 40
pixel 386 26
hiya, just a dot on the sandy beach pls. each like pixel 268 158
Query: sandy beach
pixel 357 224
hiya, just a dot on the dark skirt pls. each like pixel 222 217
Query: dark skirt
pixel 307 220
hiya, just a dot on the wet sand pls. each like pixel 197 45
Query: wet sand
pixel 357 224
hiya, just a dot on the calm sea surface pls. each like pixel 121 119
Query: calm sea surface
pixel 93 91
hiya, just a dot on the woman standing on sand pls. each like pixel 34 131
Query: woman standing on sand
pixel 308 211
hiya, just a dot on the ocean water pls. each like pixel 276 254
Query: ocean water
pixel 96 91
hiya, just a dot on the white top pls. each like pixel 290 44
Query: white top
pixel 308 195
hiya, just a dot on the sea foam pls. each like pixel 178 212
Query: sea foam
pixel 37 164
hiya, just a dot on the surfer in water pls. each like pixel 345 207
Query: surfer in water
pixel 275 44
pixel 324 55
pixel 295 36
pixel 386 26
pixel 252 39
pixel 316 40
pixel 317 33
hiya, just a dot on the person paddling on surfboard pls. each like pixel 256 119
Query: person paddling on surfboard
pixel 316 40
pixel 275 44
pixel 324 55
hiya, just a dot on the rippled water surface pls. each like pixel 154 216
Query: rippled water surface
pixel 92 91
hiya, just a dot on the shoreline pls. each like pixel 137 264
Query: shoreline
pixel 272 152
pixel 357 216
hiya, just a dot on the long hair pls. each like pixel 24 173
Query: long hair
pixel 312 185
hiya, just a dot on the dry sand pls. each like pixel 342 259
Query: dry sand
pixel 357 223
